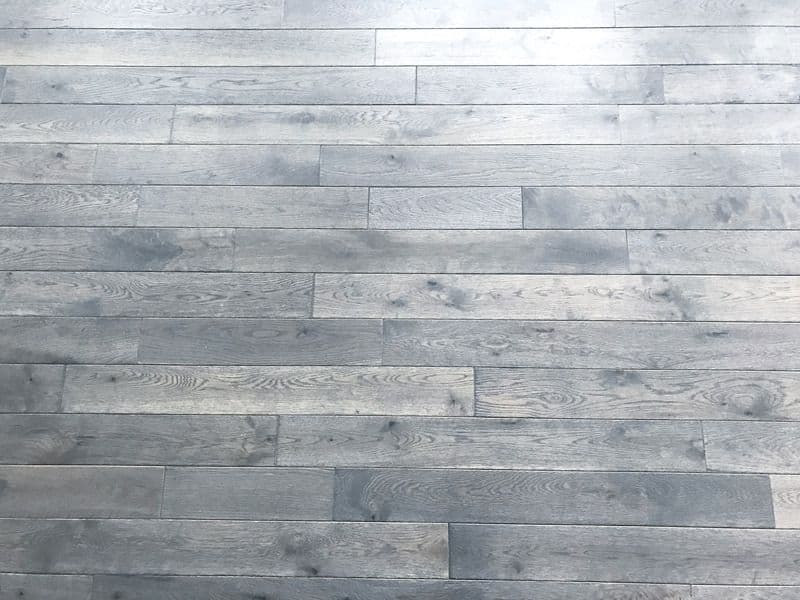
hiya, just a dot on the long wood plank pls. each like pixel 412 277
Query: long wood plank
pixel 283 548
pixel 46 163
pixel 273 390
pixel 753 447
pixel 490 443
pixel 786 500
pixel 68 205
pixel 729 592
pixel 52 587
pixel 137 439
pixel 31 388
pixel 654 13
pixel 729 83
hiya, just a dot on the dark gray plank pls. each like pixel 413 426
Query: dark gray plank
pixel 490 443
pixel 753 447
pixel 431 251
pixel 137 439
pixel 115 249
pixel 786 500
pixel 31 388
pixel 553 497
pixel 53 587
pixel 248 493
pixel 46 163
pixel 68 205
pixel 728 83
pixel 662 207
pixel 634 394
pixel 261 341
pixel 653 554
pixel 728 592
pixel 75 492
pixel 155 294
pixel 283 548
pixel 717 12
pixel 272 390
pixel 593 345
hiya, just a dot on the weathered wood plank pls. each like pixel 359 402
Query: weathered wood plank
pixel 786 500
pixel 60 205
pixel 31 388
pixel 654 13
pixel 14 586
pixel 729 83
pixel 46 163
pixel 729 592
pixel 753 447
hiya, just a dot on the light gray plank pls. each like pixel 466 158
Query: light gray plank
pixel 756 252
pixel 272 390
pixel 283 548
pixel 653 554
pixel 77 294
pixel 553 497
pixel 634 394
pixel 786 500
pixel 137 439
pixel 211 85
pixel 729 83
pixel 729 592
pixel 46 163
pixel 665 207
pixel 714 12
pixel 244 206
pixel 208 165
pixel 115 249
pixel 431 251
pixel 445 208
pixel 77 492
pixel 568 297
pixel 261 341
pixel 593 345
pixel 248 493
pixel 581 445
pixel 14 586
pixel 31 388
pixel 753 447
pixel 55 205
pixel 530 85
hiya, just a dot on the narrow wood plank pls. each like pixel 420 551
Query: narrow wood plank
pixel 79 492
pixel 31 388
pixel 248 493
pixel 553 497
pixel 654 13
pixel 786 500
pixel 635 394
pixel 653 554
pixel 155 294
pixel 378 251
pixel 46 163
pixel 728 83
pixel 445 208
pixel 529 85
pixel 593 345
pixel 490 443
pixel 729 592
pixel 283 548
pixel 137 439
pixel 273 390
pixel 53 587
pixel 261 341
pixel 60 205
pixel 753 447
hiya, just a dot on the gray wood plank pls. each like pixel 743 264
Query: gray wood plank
pixel 14 586
pixel 528 85
pixel 261 341
pixel 715 12
pixel 252 493
pixel 582 445
pixel 664 207
pixel 445 208
pixel 115 249
pixel 753 447
pixel 635 394
pixel 78 492
pixel 568 297
pixel 593 345
pixel 33 204
pixel 272 390
pixel 46 163
pixel 207 165
pixel 729 592
pixel 283 548
pixel 786 500
pixel 31 388
pixel 553 497
pixel 756 252
pixel 376 251
pixel 137 439
pixel 155 294
pixel 652 554
pixel 210 85
pixel 728 83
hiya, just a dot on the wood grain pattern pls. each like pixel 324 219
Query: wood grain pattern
pixel 46 163
pixel 730 83
pixel 753 447
pixel 54 587
pixel 729 592
pixel 716 12
pixel 30 388
pixel 68 205
pixel 786 500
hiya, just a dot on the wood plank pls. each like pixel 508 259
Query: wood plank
pixel 80 492
pixel 46 163
pixel 376 251
pixel 753 447
pixel 653 554
pixel 529 85
pixel 728 83
pixel 664 207
pixel 115 249
pixel 730 592
pixel 553 497
pixel 155 294
pixel 283 548
pixel 786 500
pixel 252 493
pixel 445 208
pixel 52 587
pixel 31 388
pixel 208 165
pixel 261 341
pixel 137 439
pixel 60 205
pixel 635 394
pixel 654 13
pixel 273 390
pixel 592 345
pixel 568 297
pixel 581 445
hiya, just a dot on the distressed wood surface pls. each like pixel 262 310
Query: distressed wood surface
pixel 753 447
pixel 715 12
pixel 68 205
pixel 730 83
pixel 54 587
pixel 786 500
pixel 30 388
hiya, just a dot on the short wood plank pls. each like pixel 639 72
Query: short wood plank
pixel 31 388
pixel 729 592
pixel 72 205
pixel 654 13
pixel 46 163
pixel 729 83
pixel 753 447
pixel 786 500
pixel 53 587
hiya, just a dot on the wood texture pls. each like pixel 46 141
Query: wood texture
pixel 68 205
pixel 753 447
pixel 728 592
pixel 30 388
pixel 716 12
pixel 46 163
pixel 786 500
pixel 54 587
pixel 731 83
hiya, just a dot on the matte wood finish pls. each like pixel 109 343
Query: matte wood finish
pixel 786 499
pixel 753 447
pixel 727 592
pixel 68 205
pixel 30 388
pixel 714 12
pixel 54 587
pixel 730 83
